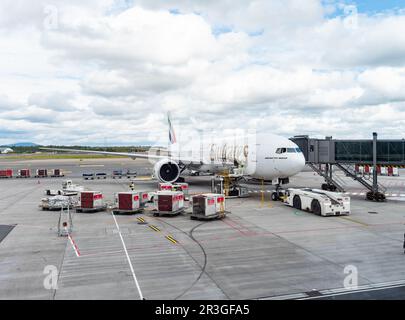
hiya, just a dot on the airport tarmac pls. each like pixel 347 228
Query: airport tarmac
pixel 262 250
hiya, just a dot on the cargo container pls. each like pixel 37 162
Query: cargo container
pixel 91 201
pixel 183 187
pixel 24 173
pixel 208 206
pixel 163 186
pixel 57 173
pixel 169 202
pixel 144 197
pixel 6 174
pixel 128 202
pixel 41 173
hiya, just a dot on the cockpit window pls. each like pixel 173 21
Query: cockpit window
pixel 298 150
pixel 291 150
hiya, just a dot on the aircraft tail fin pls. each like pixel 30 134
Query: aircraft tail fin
pixel 172 135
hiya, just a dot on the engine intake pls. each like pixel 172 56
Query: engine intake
pixel 167 171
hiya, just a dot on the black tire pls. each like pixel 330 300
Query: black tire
pixel 297 202
pixel 316 207
pixel 274 196
pixel 324 186
pixel 380 197
pixel 332 188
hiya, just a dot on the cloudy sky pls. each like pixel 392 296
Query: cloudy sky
pixel 105 72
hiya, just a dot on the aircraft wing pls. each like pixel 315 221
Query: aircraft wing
pixel 184 160
pixel 125 154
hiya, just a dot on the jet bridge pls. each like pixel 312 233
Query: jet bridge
pixel 322 154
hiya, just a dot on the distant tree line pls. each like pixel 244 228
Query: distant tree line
pixel 34 149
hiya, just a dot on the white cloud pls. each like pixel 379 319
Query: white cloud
pixel 108 73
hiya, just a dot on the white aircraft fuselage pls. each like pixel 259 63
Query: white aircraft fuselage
pixel 260 156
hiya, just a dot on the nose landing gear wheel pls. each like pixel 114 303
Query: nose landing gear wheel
pixel 274 196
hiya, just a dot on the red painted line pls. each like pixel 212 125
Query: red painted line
pixel 234 227
pixel 74 245
pixel 250 232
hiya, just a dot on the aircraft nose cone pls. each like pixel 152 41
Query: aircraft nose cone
pixel 300 163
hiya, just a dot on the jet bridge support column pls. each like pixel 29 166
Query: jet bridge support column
pixel 375 193
pixel 375 185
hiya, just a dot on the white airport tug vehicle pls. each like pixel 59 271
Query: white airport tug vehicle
pixel 319 202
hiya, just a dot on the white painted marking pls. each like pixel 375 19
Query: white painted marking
pixel 128 258
pixel 394 195
pixel 371 288
pixel 91 165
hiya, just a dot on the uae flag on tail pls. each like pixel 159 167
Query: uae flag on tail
pixel 172 136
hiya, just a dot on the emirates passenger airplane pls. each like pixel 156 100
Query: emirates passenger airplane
pixel 261 156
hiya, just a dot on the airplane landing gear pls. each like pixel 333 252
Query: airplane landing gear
pixel 328 187
pixel 278 194
pixel 375 196
pixel 180 180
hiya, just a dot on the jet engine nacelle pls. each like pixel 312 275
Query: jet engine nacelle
pixel 166 170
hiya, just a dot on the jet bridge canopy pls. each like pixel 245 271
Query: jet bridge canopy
pixel 346 154
pixel 320 151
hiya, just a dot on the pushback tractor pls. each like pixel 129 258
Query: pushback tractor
pixel 319 202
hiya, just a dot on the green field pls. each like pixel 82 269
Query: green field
pixel 46 156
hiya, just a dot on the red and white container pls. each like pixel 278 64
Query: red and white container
pixel 183 187
pixel 209 204
pixel 128 201
pixel 163 186
pixel 6 173
pixel 143 197
pixel 169 201
pixel 57 173
pixel 91 200
pixel 24 173
pixel 367 169
pixel 42 173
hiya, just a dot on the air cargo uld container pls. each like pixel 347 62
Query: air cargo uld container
pixel 183 187
pixel 57 173
pixel 7 173
pixel 24 173
pixel 163 186
pixel 42 173
pixel 127 202
pixel 91 201
pixel 144 197
pixel 208 206
pixel 169 202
